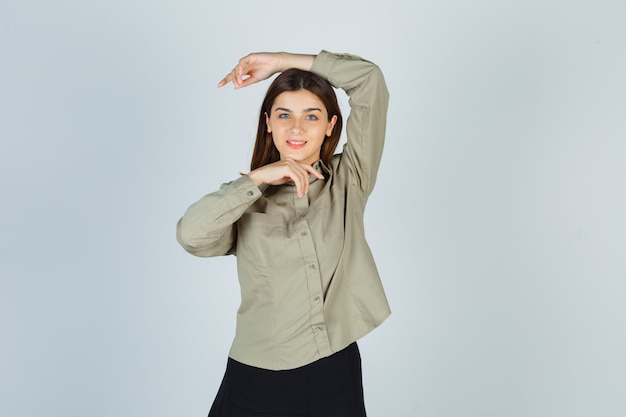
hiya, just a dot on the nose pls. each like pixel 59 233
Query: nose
pixel 297 124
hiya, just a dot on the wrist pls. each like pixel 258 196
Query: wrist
pixel 301 61
pixel 253 175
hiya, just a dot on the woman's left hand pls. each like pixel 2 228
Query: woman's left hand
pixel 253 68
pixel 260 66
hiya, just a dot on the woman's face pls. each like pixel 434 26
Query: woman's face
pixel 298 122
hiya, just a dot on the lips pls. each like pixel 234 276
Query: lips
pixel 296 144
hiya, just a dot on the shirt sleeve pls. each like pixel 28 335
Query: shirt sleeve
pixel 364 83
pixel 208 227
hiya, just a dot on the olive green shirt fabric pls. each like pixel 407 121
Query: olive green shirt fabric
pixel 309 284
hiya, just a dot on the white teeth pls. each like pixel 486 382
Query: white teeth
pixel 293 142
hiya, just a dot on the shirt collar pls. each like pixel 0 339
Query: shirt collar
pixel 320 167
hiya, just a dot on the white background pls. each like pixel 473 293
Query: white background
pixel 498 221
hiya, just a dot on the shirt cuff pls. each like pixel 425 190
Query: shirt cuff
pixel 324 62
pixel 245 189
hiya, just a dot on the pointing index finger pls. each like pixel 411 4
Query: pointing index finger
pixel 225 80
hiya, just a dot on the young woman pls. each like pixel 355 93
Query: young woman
pixel 309 285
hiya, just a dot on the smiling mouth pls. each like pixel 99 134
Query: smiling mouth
pixel 296 144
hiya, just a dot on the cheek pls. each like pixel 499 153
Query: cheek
pixel 279 126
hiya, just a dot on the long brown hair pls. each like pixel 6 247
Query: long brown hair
pixel 293 80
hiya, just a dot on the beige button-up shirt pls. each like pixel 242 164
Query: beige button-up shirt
pixel 309 284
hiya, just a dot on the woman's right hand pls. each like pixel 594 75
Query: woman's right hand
pixel 284 171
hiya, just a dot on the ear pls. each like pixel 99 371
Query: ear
pixel 331 125
pixel 267 123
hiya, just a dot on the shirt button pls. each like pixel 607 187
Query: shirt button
pixel 312 266
pixel 250 193
pixel 316 299
pixel 304 233
pixel 303 216
pixel 318 329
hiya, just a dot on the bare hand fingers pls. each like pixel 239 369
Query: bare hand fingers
pixel 234 75
pixel 300 180
pixel 306 171
pixel 251 69
pixel 225 80
pixel 313 171
pixel 286 170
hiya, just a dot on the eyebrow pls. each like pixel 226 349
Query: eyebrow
pixel 290 111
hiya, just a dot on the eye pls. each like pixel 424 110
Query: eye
pixel 311 117
pixel 283 116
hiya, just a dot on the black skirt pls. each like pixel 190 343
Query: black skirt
pixel 329 387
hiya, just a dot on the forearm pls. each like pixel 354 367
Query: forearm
pixel 300 61
pixel 207 227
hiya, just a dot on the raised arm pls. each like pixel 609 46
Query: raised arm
pixel 364 83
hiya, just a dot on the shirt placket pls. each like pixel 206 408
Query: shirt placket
pixel 312 274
